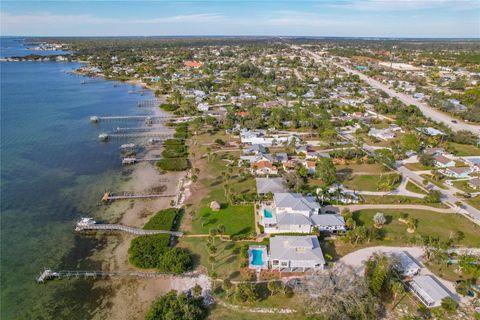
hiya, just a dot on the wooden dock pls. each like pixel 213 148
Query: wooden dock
pixel 49 274
pixel 135 129
pixel 88 224
pixel 96 119
pixel 162 135
pixel 129 196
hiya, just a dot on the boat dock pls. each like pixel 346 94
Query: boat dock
pixel 49 274
pixel 149 103
pixel 96 119
pixel 106 136
pixel 87 224
pixel 107 196
pixel 131 160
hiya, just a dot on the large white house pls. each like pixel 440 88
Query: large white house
pixel 295 254
pixel 293 212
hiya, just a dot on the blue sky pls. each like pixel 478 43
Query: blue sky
pixel 368 18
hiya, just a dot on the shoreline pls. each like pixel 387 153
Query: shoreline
pixel 130 298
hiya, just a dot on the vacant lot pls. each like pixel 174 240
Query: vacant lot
pixel 365 182
pixel 238 220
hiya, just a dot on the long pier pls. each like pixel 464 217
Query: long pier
pixel 136 129
pixel 110 197
pixel 49 274
pixel 96 119
pixel 106 136
pixel 86 224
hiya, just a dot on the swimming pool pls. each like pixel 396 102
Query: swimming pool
pixel 257 257
pixel 267 213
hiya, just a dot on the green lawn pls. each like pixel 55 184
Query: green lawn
pixel 417 166
pixel 227 259
pixel 219 313
pixel 238 220
pixel 364 182
pixel 399 200
pixel 429 223
pixel 463 185
pixel 374 168
pixel 414 188
pixel 464 149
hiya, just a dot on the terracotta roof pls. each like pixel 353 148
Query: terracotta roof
pixel 193 64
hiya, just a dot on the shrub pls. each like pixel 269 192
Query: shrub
pixel 145 250
pixel 162 220
pixel 169 107
pixel 176 260
pixel 179 164
pixel 179 307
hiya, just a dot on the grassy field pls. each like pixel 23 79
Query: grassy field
pixel 365 182
pixel 238 220
pixel 463 185
pixel 417 166
pixel 414 188
pixel 374 168
pixel 464 149
pixel 227 262
pixel 220 313
pixel 429 223
pixel 399 200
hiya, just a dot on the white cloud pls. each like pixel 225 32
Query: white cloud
pixel 402 5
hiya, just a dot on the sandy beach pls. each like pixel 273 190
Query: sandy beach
pixel 131 297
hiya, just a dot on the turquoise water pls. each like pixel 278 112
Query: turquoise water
pixel 53 171
pixel 257 259
pixel 267 213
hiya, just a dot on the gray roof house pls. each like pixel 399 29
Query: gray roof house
pixel 329 222
pixel 429 290
pixel 295 203
pixel 266 185
pixel 295 213
pixel 255 148
pixel 295 254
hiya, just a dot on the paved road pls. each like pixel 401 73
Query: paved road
pixel 356 207
pixel 400 191
pixel 427 111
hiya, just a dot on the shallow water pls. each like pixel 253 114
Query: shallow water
pixel 53 171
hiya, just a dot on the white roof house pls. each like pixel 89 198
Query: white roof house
pixel 429 290
pixel 384 134
pixel 295 253
pixel 293 212
pixel 295 203
pixel 406 264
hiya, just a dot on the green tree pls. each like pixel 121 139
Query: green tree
pixel 326 171
pixel 411 142
pixel 385 157
pixel 227 285
pixel 179 307
pixel 449 304
pixel 246 292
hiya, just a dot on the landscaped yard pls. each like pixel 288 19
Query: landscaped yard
pixel 365 182
pixel 417 166
pixel 238 220
pixel 464 149
pixel 429 224
pixel 414 188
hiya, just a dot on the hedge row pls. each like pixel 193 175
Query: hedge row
pixel 162 220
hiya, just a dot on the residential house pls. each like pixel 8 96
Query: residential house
pixel 255 149
pixel 474 183
pixel 434 151
pixel 296 254
pixel 264 167
pixel 329 222
pixel 473 162
pixel 457 172
pixel 406 264
pixel 383 134
pixel 429 290
pixel 443 162
pixel 281 157
pixel 310 165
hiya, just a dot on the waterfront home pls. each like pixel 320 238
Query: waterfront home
pixel 429 290
pixel 442 162
pixel 264 167
pixel 474 183
pixel 383 134
pixel 457 172
pixel 295 254
pixel 269 185
pixel 295 213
